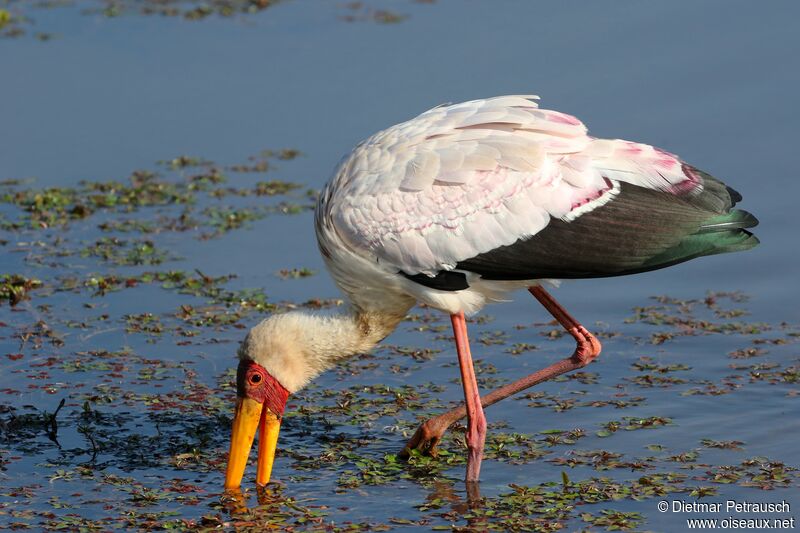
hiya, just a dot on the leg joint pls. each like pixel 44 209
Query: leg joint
pixel 588 347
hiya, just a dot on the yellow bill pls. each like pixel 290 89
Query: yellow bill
pixel 267 443
pixel 245 423
pixel 250 415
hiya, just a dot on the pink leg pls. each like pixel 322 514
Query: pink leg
pixel 588 348
pixel 476 421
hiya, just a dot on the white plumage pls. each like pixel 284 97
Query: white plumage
pixel 461 180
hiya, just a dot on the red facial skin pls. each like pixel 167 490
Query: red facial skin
pixel 253 382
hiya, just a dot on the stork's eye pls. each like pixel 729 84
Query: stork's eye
pixel 255 379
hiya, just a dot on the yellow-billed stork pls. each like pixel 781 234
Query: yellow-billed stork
pixel 457 207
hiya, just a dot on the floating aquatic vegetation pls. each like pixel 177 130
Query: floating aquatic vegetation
pixel 359 12
pixel 550 506
pixel 17 18
pixel 123 252
pixel 630 423
pixel 521 347
pixel 144 189
pixel 15 288
pixel 722 444
pixel 683 316
pixel 142 355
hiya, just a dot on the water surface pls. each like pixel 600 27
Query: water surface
pixel 143 366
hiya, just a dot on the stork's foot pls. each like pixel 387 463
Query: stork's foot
pixel 428 436
pixel 588 347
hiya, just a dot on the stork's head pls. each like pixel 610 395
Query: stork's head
pixel 272 364
pixel 279 357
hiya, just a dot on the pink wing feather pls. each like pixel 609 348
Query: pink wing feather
pixel 461 180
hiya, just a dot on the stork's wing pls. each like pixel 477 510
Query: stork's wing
pixel 461 181
pixel 639 230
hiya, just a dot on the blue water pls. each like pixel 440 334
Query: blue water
pixel 714 82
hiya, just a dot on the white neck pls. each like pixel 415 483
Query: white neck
pixel 296 347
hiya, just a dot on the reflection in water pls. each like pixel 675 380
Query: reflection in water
pixel 473 494
pixel 446 491
pixel 234 501
pixel 272 511
pixel 461 504
pixel 273 508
